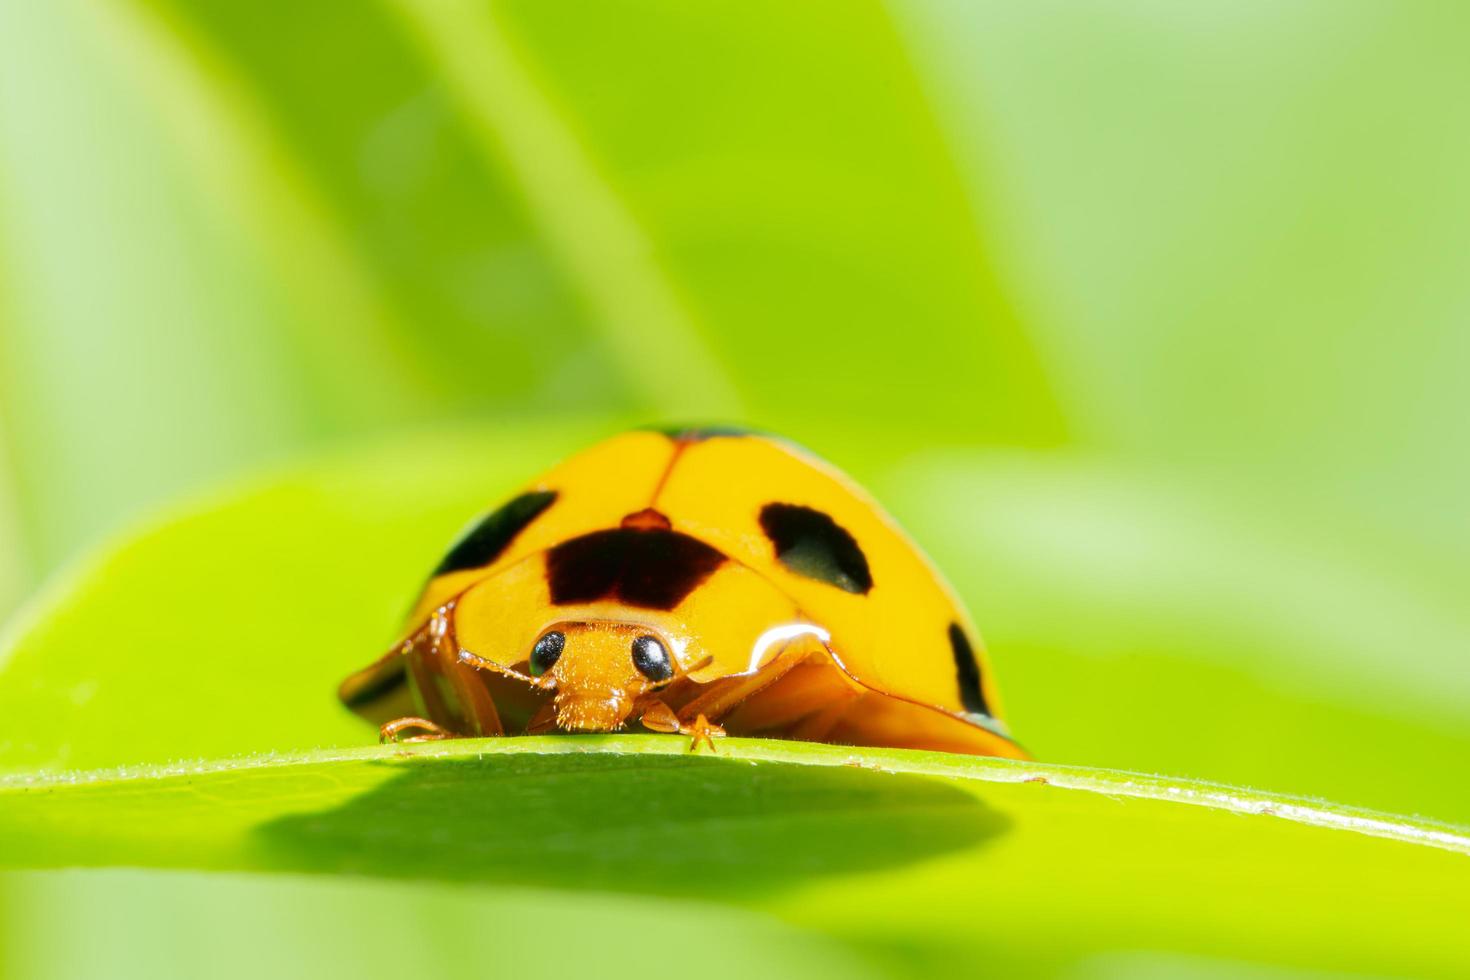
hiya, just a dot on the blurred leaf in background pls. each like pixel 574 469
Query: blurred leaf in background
pixel 232 235
pixel 1241 237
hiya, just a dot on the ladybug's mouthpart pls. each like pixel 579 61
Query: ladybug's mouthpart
pixel 576 713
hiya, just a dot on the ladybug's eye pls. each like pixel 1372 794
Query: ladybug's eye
pixel 546 651
pixel 652 659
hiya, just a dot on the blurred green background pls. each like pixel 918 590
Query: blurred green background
pixel 1150 321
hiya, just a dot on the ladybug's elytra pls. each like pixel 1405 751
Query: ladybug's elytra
pixel 701 582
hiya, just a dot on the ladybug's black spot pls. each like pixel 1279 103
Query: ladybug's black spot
pixel 812 544
pixel 649 568
pixel 488 539
pixel 967 671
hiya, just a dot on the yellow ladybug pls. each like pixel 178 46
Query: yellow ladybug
pixel 699 581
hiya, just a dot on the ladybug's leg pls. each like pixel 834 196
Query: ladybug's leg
pixel 476 706
pixel 661 718
pixel 703 730
pixel 808 703
pixel 394 731
pixel 718 698
pixel 722 696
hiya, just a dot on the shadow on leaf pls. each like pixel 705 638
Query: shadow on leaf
pixel 654 824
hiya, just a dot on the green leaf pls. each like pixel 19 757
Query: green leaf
pixel 171 706
pixel 958 858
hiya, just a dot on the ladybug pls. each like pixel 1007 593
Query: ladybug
pixel 699 581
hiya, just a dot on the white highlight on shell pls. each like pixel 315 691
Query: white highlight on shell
pixel 782 634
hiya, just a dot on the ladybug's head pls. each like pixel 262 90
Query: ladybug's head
pixel 599 670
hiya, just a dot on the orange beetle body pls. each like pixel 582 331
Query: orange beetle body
pixel 703 582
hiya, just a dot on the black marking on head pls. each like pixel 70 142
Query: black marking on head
pixel 652 659
pixel 967 671
pixel 546 653
pixel 810 543
pixel 648 568
pixel 487 540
